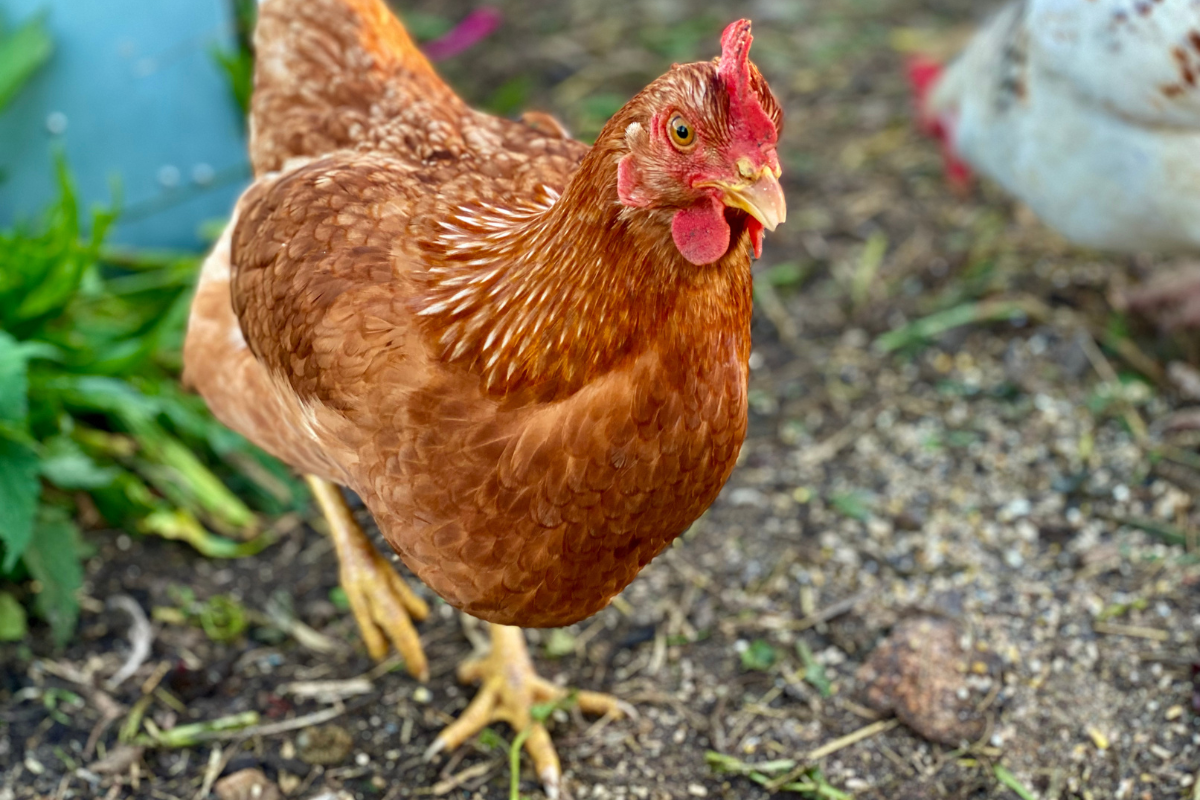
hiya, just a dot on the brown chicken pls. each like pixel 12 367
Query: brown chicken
pixel 527 356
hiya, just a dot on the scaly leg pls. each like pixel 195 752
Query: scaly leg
pixel 510 688
pixel 382 603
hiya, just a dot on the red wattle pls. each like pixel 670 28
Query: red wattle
pixel 756 235
pixel 701 232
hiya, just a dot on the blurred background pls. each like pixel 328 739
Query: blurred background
pixel 953 420
pixel 138 99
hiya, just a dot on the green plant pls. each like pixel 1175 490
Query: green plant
pixel 22 52
pixel 238 62
pixel 92 417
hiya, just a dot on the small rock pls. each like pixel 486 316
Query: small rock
pixel 1185 378
pixel 919 672
pixel 289 783
pixel 748 496
pixel 696 790
pixel 248 784
pixel 324 745
pixel 117 760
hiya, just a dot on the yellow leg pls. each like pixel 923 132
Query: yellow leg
pixel 510 688
pixel 382 603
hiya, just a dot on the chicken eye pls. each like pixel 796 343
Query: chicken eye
pixel 682 134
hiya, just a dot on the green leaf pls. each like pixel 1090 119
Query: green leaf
pixel 223 618
pixel 511 96
pixel 12 619
pixel 337 596
pixel 66 466
pixel 19 493
pixel 854 504
pixel 425 26
pixel 814 673
pixel 53 560
pixel 21 54
pixel 758 656
pixel 789 273
pixel 238 66
pixel 559 643
pixel 1006 778
pixel 14 381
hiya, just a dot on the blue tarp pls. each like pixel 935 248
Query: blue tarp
pixel 144 104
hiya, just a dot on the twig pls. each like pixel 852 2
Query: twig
pixel 1138 631
pixel 225 727
pixel 828 448
pixel 769 302
pixel 316 718
pixel 1109 375
pixel 1130 354
pixel 328 691
pixel 454 781
pixel 141 637
pixel 1168 533
pixel 843 742
pixel 965 314
pixel 279 615
pixel 211 773
pixel 824 615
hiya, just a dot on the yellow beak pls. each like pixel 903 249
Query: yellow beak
pixel 759 195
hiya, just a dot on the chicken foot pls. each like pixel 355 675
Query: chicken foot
pixel 510 688
pixel 381 601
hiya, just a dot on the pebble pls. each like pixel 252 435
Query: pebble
pixel 247 784
pixel 917 673
pixel 748 496
pixel 324 745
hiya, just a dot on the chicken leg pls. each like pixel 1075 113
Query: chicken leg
pixel 509 691
pixel 1170 299
pixel 382 602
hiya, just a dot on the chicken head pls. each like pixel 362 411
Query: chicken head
pixel 703 146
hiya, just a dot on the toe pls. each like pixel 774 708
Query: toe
pixel 477 715
pixel 416 607
pixel 361 608
pixel 599 703
pixel 545 758
pixel 389 613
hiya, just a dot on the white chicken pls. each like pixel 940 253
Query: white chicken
pixel 1086 110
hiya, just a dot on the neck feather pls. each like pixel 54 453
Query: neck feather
pixel 551 292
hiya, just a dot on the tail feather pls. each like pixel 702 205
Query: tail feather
pixel 322 70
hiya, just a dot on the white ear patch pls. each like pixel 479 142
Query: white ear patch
pixel 634 132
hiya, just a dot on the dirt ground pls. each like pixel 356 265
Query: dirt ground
pixel 975 556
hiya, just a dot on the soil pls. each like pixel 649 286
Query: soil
pixel 988 532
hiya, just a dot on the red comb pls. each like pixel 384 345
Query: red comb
pixel 923 73
pixel 734 71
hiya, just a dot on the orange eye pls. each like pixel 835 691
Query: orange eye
pixel 682 134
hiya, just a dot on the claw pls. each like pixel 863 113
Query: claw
pixel 382 603
pixel 510 688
